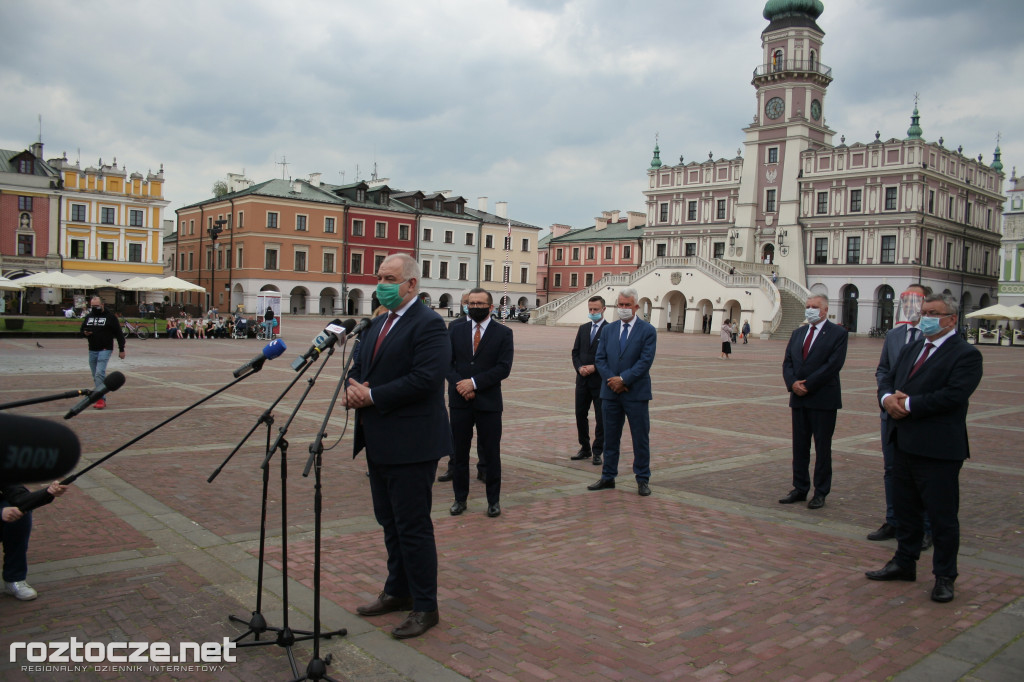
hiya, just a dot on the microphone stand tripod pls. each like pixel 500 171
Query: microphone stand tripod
pixel 317 667
pixel 257 624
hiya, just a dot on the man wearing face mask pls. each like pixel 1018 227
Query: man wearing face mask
pixel 100 327
pixel 895 340
pixel 926 396
pixel 463 318
pixel 482 353
pixel 588 382
pixel 396 386
pixel 814 357
pixel 625 354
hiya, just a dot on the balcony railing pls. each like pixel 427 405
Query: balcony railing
pixel 802 65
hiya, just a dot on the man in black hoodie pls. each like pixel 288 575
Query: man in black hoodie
pixel 100 327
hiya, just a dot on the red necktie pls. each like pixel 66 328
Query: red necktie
pixel 476 339
pixel 920 361
pixel 807 341
pixel 383 332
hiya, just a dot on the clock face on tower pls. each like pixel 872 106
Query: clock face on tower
pixel 774 108
pixel 815 109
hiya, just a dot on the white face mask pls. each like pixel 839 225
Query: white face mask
pixel 812 315
pixel 625 314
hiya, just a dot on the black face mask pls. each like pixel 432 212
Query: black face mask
pixel 97 309
pixel 479 314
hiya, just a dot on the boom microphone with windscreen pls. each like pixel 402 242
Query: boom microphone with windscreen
pixel 272 350
pixel 33 450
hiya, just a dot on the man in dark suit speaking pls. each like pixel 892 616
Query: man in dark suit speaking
pixel 396 385
pixel 481 360
pixel 926 396
pixel 588 382
pixel 814 357
pixel 624 358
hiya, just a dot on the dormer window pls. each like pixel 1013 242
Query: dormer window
pixel 360 195
pixel 26 166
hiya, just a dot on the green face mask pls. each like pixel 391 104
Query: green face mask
pixel 388 295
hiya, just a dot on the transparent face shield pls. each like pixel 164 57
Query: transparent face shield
pixel 910 307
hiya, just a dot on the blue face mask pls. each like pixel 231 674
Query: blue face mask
pixel 465 309
pixel 596 317
pixel 929 326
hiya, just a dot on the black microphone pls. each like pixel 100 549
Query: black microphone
pixel 112 382
pixel 33 449
pixel 324 340
pixel 270 351
pixel 363 325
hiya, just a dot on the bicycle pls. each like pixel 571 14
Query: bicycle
pixel 876 332
pixel 261 332
pixel 140 330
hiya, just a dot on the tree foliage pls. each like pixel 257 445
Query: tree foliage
pixel 220 188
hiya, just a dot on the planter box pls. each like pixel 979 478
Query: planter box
pixel 14 324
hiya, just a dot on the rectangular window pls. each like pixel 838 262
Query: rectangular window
pixel 107 216
pixel 469 239
pixel 329 225
pixel 558 280
pixel 241 219
pixel 626 252
pixel 691 248
pixel 931 201
pixel 78 250
pixel 24 203
pixel 449 237
pixel 524 275
pixel 890 198
pixel 660 250
pixel 300 261
pixel 463 271
pixel 719 249
pixel 822 202
pixel 574 280
pixel 691 210
pixel 508 243
pixel 357 264
pixel 271 259
pixel 426 269
pixel 928 253
pixel 949 256
pixel 135 253
pixel 78 214
pixel 357 228
pixel 773 155
pixel 328 261
pixel 607 253
pixel 191 263
pixel 443 274
pixel 135 218
pixel 487 272
pixel 488 241
pixel 377 260
pixel 272 219
pixel 381 231
pixel 182 261
pixel 428 234
pixel 855 200
pixel 404 232
pixel 590 253
pixel 558 255
pixel 192 227
pixel 721 209
pixel 663 217
pixel 25 244
pixel 951 215
pixel 238 264
pixel 853 250
pixel 967 211
pixel 588 279
pixel 575 253
pixel 227 258
pixel 769 201
pixel 106 250
pixel 209 259
pixel 220 259
pixel 889 249
pixel 526 245
pixel 820 250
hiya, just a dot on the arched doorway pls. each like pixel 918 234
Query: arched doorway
pixel 704 313
pixel 327 298
pixel 445 301
pixel 355 299
pixel 850 305
pixel 965 304
pixel 675 312
pixel 884 314
pixel 768 254
pixel 297 300
pixel 237 297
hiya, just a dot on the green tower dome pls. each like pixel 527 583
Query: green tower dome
pixel 656 161
pixel 775 9
pixel 914 131
pixel 997 162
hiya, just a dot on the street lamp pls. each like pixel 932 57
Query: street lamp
pixel 214 232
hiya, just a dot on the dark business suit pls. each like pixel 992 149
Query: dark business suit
pixel 588 388
pixel 814 414
pixel 633 364
pixel 931 445
pixel 488 367
pixel 405 432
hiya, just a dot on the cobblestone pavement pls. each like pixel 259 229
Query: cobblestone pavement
pixel 707 579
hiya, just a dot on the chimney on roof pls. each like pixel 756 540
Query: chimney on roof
pixel 557 230
pixel 635 219
pixel 296 187
pixel 37 150
pixel 612 216
pixel 314 179
pixel 481 204
pixel 501 209
pixel 602 222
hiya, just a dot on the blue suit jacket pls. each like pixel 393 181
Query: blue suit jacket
pixel 632 363
pixel 407 422
pixel 820 370
pixel 491 364
pixel 895 340
pixel 939 393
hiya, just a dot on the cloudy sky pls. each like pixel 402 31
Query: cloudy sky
pixel 550 105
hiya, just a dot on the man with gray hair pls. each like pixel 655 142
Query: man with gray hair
pixel 926 396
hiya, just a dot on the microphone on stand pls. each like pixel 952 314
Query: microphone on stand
pixel 112 382
pixel 272 350
pixel 358 329
pixel 326 339
pixel 36 449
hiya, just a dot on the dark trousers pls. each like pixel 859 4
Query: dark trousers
pixel 585 397
pixel 923 484
pixel 616 412
pixel 888 455
pixel 819 425
pixel 488 448
pixel 401 504
pixel 15 536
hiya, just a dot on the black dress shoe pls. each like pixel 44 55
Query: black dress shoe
pixel 817 502
pixel 602 484
pixel 597 460
pixel 927 542
pixel 885 532
pixel 446 476
pixel 943 590
pixel 416 624
pixel 494 510
pixel 385 604
pixel 583 453
pixel 893 571
pixel 643 488
pixel 457 508
pixel 793 496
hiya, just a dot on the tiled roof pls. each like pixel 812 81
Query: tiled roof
pixel 614 232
